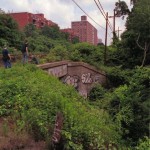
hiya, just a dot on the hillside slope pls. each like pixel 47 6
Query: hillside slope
pixel 30 100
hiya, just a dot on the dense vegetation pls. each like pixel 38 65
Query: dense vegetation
pixel 32 99
pixel 115 114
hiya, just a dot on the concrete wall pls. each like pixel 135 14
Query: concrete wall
pixel 78 74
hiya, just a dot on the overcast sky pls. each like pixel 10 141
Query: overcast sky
pixel 63 12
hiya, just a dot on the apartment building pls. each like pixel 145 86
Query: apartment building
pixel 85 31
pixel 25 18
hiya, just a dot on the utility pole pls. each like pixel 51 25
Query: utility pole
pixel 114 24
pixel 105 52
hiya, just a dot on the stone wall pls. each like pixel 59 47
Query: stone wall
pixel 78 74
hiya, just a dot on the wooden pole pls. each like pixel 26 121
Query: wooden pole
pixel 114 24
pixel 105 52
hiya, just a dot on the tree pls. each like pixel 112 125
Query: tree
pixel 51 32
pixel 135 46
pixel 75 40
pixel 139 23
pixel 128 104
pixel 121 9
pixel 133 1
pixel 9 32
pixel 87 52
pixel 30 30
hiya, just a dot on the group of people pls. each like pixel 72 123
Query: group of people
pixel 6 57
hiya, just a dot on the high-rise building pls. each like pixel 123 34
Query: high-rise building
pixel 85 31
pixel 25 18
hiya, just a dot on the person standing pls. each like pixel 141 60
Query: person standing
pixel 24 51
pixel 6 58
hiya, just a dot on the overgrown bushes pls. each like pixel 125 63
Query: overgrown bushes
pixel 32 98
pixel 127 102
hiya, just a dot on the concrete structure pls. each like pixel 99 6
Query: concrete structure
pixel 25 18
pixel 85 31
pixel 78 74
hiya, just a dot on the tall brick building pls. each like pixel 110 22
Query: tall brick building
pixel 25 18
pixel 85 31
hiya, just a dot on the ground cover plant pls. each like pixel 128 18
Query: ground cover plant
pixel 30 99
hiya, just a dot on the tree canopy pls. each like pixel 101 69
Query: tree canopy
pixel 9 33
pixel 135 44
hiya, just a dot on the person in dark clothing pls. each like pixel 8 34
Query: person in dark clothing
pixel 6 58
pixel 24 51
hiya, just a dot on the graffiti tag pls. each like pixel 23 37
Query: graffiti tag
pixel 72 80
pixel 86 78
pixel 58 126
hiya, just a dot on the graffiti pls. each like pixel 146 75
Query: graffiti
pixel 57 130
pixel 72 80
pixel 97 79
pixel 58 71
pixel 86 78
pixel 78 74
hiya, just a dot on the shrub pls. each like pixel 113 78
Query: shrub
pixel 32 98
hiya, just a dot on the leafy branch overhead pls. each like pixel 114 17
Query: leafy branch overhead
pixel 121 9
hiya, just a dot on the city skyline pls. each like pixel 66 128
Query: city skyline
pixel 63 12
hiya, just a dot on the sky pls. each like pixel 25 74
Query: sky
pixel 63 12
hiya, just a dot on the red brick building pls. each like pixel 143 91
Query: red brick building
pixel 25 18
pixel 85 31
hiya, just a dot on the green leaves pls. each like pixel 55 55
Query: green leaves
pixel 128 104
pixel 9 31
pixel 87 53
pixel 33 98
pixel 135 40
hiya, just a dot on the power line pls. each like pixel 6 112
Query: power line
pixel 103 12
pixel 101 6
pixel 91 18
pixel 88 15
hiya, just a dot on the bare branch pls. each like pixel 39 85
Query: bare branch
pixel 138 43
pixel 145 49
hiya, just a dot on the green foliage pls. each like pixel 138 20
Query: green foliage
pixel 144 144
pixel 52 32
pixel 58 53
pixel 32 98
pixel 121 8
pixel 65 35
pixel 75 40
pixel 113 57
pixel 31 31
pixel 117 76
pixel 129 105
pixel 96 93
pixel 40 40
pixel 87 53
pixel 137 27
pixel 40 44
pixel 10 34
